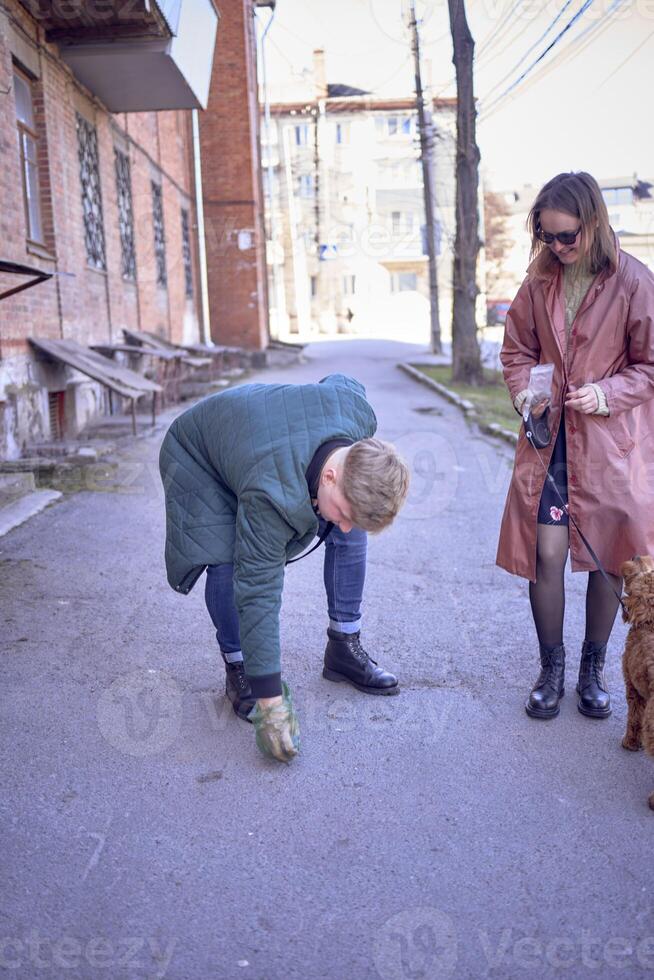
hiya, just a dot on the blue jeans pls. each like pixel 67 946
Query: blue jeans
pixel 344 574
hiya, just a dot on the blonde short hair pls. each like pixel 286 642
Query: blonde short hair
pixel 375 483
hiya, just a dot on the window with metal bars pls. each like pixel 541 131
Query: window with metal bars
pixel 186 254
pixel 159 234
pixel 125 215
pixel 89 171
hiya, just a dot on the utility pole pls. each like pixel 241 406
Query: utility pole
pixel 426 159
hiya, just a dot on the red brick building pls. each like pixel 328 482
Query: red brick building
pixel 98 183
pixel 232 186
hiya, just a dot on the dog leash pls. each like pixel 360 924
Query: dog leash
pixel 566 508
pixel 329 527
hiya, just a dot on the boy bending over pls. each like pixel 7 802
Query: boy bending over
pixel 251 476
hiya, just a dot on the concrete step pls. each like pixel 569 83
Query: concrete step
pixel 278 355
pixel 73 451
pixel 15 485
pixel 200 389
pixel 25 507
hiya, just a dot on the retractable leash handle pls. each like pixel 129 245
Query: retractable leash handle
pixel 566 508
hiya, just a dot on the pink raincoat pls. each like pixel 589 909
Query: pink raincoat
pixel 610 458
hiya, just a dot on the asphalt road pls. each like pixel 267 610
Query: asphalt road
pixel 441 833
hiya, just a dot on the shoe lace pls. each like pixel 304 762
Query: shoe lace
pixel 549 660
pixel 595 671
pixel 238 676
pixel 358 651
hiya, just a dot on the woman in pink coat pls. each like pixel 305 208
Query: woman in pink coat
pixel 586 307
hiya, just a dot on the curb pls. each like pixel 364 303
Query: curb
pixel 469 410
pixel 15 514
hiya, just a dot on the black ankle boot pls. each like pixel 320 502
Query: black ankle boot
pixel 594 699
pixel 346 660
pixel 543 702
pixel 237 689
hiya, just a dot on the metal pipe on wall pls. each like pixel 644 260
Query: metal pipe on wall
pixel 205 324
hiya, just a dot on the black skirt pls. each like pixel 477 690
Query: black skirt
pixel 550 509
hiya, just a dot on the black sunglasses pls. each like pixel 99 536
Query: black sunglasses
pixel 565 237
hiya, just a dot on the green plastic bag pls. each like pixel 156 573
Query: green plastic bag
pixel 277 730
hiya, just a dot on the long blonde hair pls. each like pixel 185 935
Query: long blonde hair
pixel 579 195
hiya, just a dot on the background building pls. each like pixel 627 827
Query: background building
pixel 97 186
pixel 630 202
pixel 345 212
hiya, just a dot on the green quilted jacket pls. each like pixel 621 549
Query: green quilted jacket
pixel 233 468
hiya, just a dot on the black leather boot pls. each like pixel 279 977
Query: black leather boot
pixel 346 660
pixel 237 689
pixel 594 699
pixel 543 702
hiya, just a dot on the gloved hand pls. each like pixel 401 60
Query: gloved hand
pixel 276 728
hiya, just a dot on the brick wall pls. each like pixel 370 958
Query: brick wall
pixel 93 306
pixel 231 184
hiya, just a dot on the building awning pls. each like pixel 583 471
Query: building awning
pixel 113 376
pixel 17 269
pixel 136 55
pixel 20 269
pixel 151 341
pixel 78 22
pixel 120 379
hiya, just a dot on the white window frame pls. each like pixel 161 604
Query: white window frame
pixel 397 126
pixel 301 134
pixel 343 133
pixel 307 185
pixel 396 279
pixel 28 149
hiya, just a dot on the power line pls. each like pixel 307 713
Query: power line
pixel 499 30
pixel 375 89
pixel 623 63
pixel 484 45
pixel 571 51
pixel 582 10
pixel 284 56
pixel 293 34
pixel 313 44
pixel 488 43
pixel 543 54
pixel 510 41
pixel 529 50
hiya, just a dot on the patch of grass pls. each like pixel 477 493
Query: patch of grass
pixel 491 399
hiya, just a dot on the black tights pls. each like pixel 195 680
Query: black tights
pixel 547 594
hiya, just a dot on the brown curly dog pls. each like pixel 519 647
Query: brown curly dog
pixel 638 657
